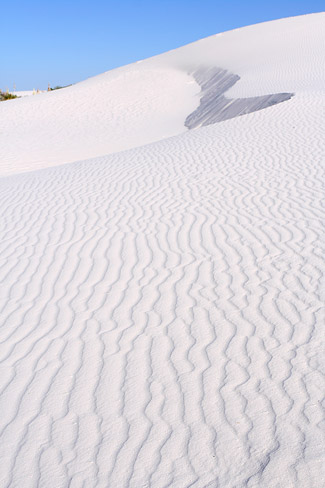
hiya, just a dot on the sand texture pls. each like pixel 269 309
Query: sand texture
pixel 162 297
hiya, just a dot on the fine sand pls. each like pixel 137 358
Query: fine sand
pixel 162 299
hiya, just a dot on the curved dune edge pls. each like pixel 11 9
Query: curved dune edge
pixel 215 107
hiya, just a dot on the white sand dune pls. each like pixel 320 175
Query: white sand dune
pixel 162 306
pixel 150 100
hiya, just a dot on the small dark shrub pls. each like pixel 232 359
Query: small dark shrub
pixel 58 87
pixel 6 96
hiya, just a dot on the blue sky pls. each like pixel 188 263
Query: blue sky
pixel 64 41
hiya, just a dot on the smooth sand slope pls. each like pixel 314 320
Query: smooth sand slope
pixel 162 307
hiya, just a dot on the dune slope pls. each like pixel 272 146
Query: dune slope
pixel 162 307
pixel 150 100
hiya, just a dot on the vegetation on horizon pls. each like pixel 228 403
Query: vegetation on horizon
pixel 58 87
pixel 6 96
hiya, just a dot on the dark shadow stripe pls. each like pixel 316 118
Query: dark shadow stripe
pixel 215 107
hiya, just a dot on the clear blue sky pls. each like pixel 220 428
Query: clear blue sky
pixel 64 41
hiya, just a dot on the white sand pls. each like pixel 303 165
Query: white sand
pixel 27 93
pixel 162 307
